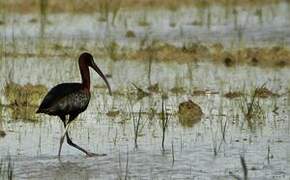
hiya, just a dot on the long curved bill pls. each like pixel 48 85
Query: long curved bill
pixel 95 67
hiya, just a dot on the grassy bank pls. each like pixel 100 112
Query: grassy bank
pixel 88 6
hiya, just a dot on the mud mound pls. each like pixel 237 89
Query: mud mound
pixel 189 113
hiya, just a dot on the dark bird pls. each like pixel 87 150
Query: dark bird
pixel 71 99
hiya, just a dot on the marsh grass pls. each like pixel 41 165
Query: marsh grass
pixel 140 92
pixel 113 113
pixel 152 50
pixel 43 21
pixel 269 154
pixel 2 131
pixel 233 94
pixel 143 21
pixel 120 170
pixel 218 142
pixel 111 49
pixel 130 34
pixel 244 167
pixel 91 6
pixel 104 10
pixel 268 56
pixel 2 47
pixel 252 110
pixel 24 95
pixel 107 7
pixel 116 5
pixel 154 88
pixel 23 99
pixel 263 92
pixel 172 153
pixel 164 122
pixel 136 126
pixel 6 169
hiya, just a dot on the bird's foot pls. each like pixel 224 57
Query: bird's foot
pixel 90 154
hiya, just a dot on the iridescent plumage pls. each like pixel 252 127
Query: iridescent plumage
pixel 71 98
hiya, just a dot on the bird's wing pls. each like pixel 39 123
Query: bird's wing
pixel 58 92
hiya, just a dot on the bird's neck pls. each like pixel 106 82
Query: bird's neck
pixel 85 73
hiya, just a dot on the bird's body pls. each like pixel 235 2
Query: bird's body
pixel 71 98
pixel 65 99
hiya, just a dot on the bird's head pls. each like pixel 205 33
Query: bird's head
pixel 89 61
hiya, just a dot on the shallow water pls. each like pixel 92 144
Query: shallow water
pixel 33 146
pixel 230 26
pixel 194 151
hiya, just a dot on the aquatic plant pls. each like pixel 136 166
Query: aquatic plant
pixel 120 169
pixel 2 132
pixel 252 110
pixel 23 99
pixel 136 126
pixel 24 95
pixel 111 48
pixel 164 122
pixel 233 94
pixel 107 7
pixel 140 92
pixel 115 7
pixel 6 168
pixel 244 166
pixel 152 50
pixel 113 113
pixel 154 88
pixel 104 10
pixel 143 21
pixel 130 34
pixel 263 92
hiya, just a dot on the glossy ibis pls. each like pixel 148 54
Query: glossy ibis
pixel 71 99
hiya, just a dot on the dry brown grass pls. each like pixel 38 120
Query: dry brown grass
pixel 275 56
pixel 265 56
pixel 263 92
pixel 168 52
pixel 23 100
pixel 26 95
pixel 88 6
pixel 233 94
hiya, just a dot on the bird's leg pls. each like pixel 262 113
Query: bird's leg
pixel 62 137
pixel 69 141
